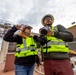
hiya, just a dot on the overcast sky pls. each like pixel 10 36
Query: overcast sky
pixel 31 11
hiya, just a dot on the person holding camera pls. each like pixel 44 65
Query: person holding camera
pixel 26 52
pixel 53 47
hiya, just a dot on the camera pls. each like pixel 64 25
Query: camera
pixel 44 30
pixel 40 39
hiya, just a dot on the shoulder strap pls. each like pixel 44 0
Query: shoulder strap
pixel 55 28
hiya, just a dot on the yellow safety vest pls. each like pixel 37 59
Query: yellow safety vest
pixel 28 48
pixel 54 45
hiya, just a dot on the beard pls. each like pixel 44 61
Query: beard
pixel 50 25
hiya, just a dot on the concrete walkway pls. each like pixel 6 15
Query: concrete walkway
pixel 10 72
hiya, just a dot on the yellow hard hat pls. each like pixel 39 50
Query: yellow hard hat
pixel 48 15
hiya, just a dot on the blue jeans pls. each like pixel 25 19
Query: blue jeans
pixel 24 70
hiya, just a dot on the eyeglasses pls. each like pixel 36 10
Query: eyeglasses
pixel 48 18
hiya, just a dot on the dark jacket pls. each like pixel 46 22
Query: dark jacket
pixel 63 34
pixel 59 32
pixel 10 37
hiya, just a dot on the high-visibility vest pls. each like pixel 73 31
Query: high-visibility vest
pixel 54 44
pixel 28 48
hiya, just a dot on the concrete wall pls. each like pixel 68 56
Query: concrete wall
pixel 4 50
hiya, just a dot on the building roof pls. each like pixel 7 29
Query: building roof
pixel 72 29
pixel 72 26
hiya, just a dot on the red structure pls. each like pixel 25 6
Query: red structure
pixel 9 65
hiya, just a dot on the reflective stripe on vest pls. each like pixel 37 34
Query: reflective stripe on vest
pixel 27 48
pixel 26 53
pixel 55 45
pixel 54 29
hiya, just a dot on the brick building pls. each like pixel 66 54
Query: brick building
pixel 72 45
pixel 72 29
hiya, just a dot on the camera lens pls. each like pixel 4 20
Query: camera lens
pixel 44 30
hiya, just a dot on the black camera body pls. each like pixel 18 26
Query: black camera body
pixel 44 30
pixel 42 39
